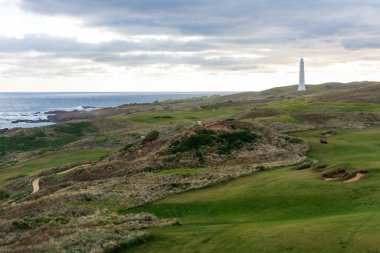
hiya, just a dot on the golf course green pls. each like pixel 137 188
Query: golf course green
pixel 284 209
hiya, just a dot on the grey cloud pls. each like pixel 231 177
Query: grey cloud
pixel 362 43
pixel 208 17
pixel 237 26
pixel 128 54
pixel 49 44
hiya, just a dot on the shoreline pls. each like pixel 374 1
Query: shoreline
pixel 83 112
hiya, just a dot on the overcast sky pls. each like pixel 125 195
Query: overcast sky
pixel 185 45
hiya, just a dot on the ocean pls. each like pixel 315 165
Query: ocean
pixel 21 109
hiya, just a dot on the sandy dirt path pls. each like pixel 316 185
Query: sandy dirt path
pixel 36 182
pixel 77 167
pixel 36 185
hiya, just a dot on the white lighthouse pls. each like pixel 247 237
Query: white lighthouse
pixel 301 85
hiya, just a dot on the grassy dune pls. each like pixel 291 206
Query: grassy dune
pixel 283 210
pixel 52 160
pixel 310 110
pixel 175 116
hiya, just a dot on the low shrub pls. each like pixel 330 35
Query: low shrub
pixel 225 142
pixel 337 173
pixel 34 222
pixel 203 138
pixel 152 136
pixel 3 194
pixel 320 167
pixel 260 168
pixel 127 147
pixel 304 165
pixel 234 140
pixel 87 197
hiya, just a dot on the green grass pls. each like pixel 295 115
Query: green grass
pixel 28 143
pixel 282 210
pixel 304 104
pixel 174 116
pixel 77 129
pixel 51 160
pixel 279 118
pixel 177 171
pixel 356 149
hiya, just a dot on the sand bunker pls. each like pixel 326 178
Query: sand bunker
pixel 357 177
pixel 36 185
pixel 330 179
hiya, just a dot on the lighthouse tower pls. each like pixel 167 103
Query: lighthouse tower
pixel 301 85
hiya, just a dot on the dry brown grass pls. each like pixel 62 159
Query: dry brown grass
pixel 85 208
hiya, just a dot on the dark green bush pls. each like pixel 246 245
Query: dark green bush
pixel 4 195
pixel 320 167
pixel 235 140
pixel 224 142
pixel 260 168
pixel 127 147
pixel 152 136
pixel 200 139
pixel 304 165
pixel 87 197
pixel 333 173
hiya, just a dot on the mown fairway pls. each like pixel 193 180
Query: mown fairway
pixel 283 210
pixel 52 160
pixel 356 150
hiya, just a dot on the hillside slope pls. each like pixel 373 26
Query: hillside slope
pixel 95 166
pixel 91 200
pixel 282 210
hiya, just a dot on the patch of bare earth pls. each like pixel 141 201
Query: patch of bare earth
pixel 218 126
pixel 36 185
pixel 357 176
pixel 77 167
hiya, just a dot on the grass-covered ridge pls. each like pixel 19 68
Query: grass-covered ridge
pixel 54 138
pixel 76 129
pixel 284 210
pixel 175 116
pixel 29 143
pixel 312 111
pixel 45 162
pixel 102 171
